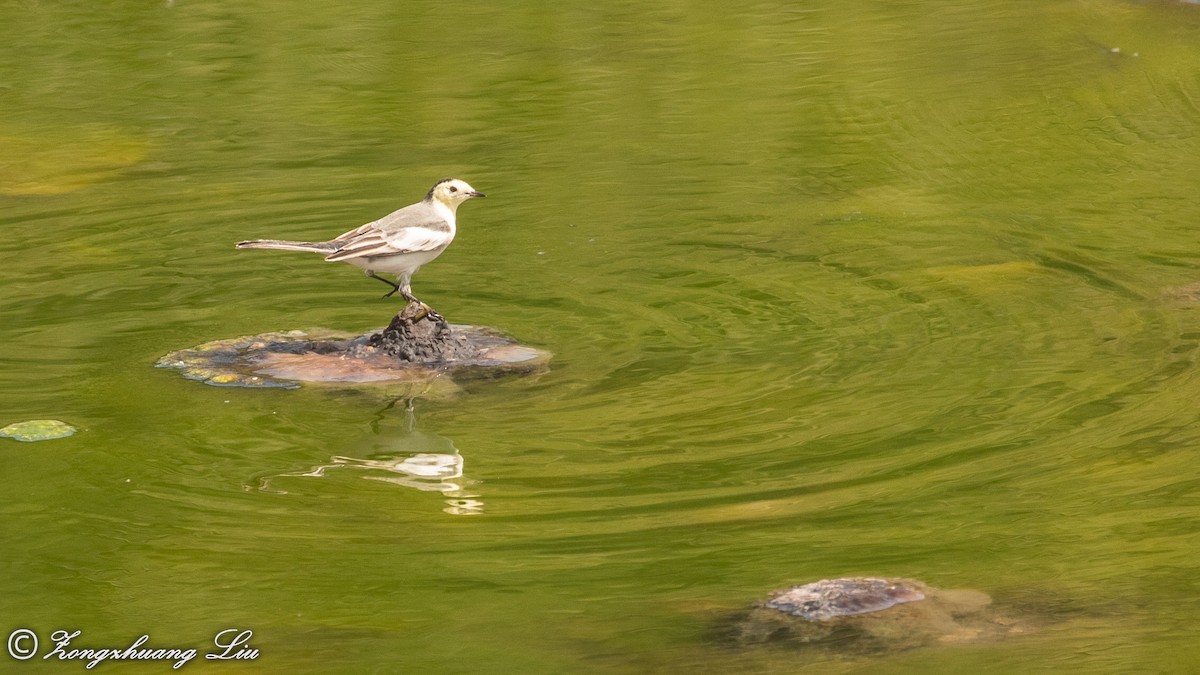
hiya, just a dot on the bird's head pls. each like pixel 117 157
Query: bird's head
pixel 452 192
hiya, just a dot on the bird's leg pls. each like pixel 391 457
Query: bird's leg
pixel 405 288
pixel 395 286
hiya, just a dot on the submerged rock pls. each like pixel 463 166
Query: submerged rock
pixel 413 348
pixel 37 430
pixel 1186 296
pixel 868 616
pixel 828 598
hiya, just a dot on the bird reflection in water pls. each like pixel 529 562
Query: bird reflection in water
pixel 436 467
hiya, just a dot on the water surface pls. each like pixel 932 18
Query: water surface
pixel 893 290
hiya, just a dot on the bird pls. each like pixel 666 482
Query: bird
pixel 398 243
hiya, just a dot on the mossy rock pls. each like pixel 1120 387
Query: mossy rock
pixel 37 430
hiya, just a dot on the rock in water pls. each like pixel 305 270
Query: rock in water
pixel 828 598
pixel 868 616
pixel 412 349
pixel 37 430
pixel 413 337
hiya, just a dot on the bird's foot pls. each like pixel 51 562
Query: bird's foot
pixel 432 315
pixel 424 311
pixel 416 310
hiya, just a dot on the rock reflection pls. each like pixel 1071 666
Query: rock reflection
pixel 427 462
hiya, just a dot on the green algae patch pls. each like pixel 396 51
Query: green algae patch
pixel 37 430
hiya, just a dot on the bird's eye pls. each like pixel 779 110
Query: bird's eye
pixel 453 189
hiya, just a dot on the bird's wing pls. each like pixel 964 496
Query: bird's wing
pixel 400 232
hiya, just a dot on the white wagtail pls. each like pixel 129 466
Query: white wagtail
pixel 398 243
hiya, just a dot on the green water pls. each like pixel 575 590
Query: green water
pixel 893 289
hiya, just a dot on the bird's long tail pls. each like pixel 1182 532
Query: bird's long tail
pixel 308 246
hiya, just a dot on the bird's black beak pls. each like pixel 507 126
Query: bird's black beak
pixel 475 193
